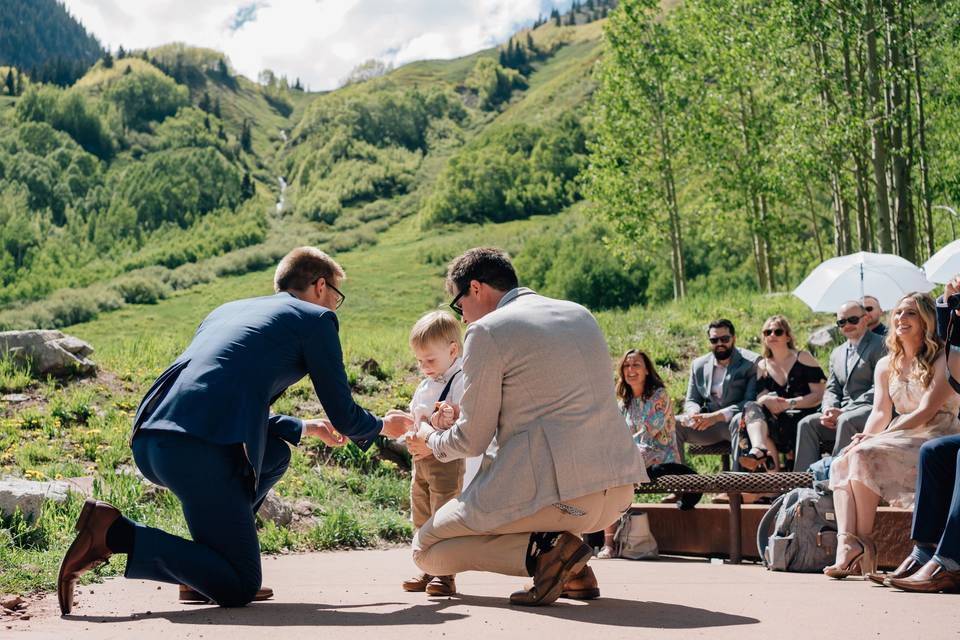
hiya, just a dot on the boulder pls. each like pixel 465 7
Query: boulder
pixel 276 510
pixel 823 338
pixel 48 352
pixel 28 495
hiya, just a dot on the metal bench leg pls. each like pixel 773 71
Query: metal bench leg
pixel 725 462
pixel 736 499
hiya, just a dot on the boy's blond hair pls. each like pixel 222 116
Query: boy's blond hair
pixel 433 327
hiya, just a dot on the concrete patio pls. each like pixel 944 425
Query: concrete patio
pixel 356 595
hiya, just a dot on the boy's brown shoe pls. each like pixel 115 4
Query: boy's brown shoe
pixel 442 586
pixel 418 583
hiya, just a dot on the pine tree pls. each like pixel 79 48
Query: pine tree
pixel 107 60
pixel 121 53
pixel 11 87
pixel 503 58
pixel 555 15
pixel 216 108
pixel 222 69
pixel 19 83
pixel 297 86
pixel 221 133
pixel 205 104
pixel 246 136
pixel 248 188
pixel 531 46
pixel 206 122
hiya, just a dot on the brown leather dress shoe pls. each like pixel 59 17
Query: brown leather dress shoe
pixel 417 584
pixel 930 578
pixel 88 549
pixel 906 569
pixel 189 595
pixel 442 586
pixel 554 568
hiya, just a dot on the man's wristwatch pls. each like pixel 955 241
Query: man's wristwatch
pixel 792 402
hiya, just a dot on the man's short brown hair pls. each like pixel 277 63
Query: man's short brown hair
pixel 433 327
pixel 485 264
pixel 303 266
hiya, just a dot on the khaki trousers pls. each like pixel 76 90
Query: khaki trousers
pixel 434 484
pixel 445 545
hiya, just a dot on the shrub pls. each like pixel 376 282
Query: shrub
pixel 140 289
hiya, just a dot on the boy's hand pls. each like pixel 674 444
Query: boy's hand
pixel 417 442
pixel 445 415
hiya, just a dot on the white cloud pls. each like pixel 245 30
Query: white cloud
pixel 319 41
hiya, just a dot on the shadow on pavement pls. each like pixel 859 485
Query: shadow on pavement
pixel 606 611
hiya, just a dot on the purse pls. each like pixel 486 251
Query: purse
pixel 633 539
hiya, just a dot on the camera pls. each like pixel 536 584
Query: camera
pixel 954 301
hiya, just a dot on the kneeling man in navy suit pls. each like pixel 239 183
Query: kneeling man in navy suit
pixel 204 431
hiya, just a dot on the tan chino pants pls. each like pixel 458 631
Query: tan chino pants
pixel 445 545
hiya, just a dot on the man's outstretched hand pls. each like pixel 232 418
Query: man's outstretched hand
pixel 324 430
pixel 396 423
pixel 417 442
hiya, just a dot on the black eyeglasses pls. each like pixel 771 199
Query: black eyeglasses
pixel 720 339
pixel 854 320
pixel 773 332
pixel 340 295
pixel 457 309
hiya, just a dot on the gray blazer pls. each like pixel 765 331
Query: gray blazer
pixel 855 390
pixel 739 385
pixel 538 377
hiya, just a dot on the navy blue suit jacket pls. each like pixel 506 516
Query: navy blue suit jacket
pixel 243 357
pixel 943 322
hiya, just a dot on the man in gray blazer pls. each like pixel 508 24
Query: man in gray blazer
pixel 848 397
pixel 539 379
pixel 721 383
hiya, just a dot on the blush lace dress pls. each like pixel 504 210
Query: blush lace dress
pixel 887 463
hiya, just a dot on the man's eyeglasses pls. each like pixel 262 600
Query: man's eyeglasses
pixel 773 332
pixel 455 305
pixel 854 320
pixel 340 295
pixel 868 309
pixel 720 340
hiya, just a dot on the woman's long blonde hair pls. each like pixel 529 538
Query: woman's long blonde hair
pixel 930 345
pixel 774 322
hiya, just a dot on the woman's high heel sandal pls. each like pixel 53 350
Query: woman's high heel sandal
pixel 862 563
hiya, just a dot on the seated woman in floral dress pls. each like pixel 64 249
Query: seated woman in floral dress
pixel 790 385
pixel 882 461
pixel 648 411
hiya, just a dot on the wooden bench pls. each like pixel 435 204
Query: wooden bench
pixel 734 485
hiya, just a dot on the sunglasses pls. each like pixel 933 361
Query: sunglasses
pixel 868 309
pixel 854 320
pixel 720 340
pixel 773 332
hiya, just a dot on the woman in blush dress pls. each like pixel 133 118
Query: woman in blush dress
pixel 882 462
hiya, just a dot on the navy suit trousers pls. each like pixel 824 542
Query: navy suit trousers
pixel 936 517
pixel 215 486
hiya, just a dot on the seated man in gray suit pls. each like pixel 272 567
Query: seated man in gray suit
pixel 848 398
pixel 539 378
pixel 205 432
pixel 721 383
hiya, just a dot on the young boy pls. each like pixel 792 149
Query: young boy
pixel 436 343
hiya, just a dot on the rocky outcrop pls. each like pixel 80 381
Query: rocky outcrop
pixel 48 352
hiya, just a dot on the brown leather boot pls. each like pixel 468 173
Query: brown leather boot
pixel 906 569
pixel 189 595
pixel 581 586
pixel 442 586
pixel 567 558
pixel 88 549
pixel 418 583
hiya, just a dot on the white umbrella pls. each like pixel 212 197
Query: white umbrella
pixel 944 264
pixel 882 275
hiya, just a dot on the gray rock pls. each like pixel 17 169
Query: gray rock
pixel 48 352
pixel 823 338
pixel 276 510
pixel 28 495
pixel 15 397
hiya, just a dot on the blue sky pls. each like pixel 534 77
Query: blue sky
pixel 319 41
